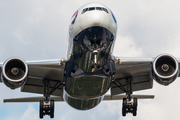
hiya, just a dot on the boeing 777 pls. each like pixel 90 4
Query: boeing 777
pixel 89 70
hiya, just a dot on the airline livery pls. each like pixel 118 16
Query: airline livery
pixel 90 69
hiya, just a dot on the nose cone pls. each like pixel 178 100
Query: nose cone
pixel 95 18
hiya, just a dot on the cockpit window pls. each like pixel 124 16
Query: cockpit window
pixel 105 10
pixel 84 10
pixel 98 8
pixel 91 8
pixel 94 8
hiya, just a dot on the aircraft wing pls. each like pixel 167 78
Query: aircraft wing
pixel 139 69
pixel 53 70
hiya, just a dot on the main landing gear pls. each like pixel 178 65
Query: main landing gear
pixel 46 109
pixel 46 106
pixel 130 102
pixel 129 107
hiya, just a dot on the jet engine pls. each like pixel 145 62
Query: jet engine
pixel 165 69
pixel 14 73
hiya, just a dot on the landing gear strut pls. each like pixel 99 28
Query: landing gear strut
pixel 128 105
pixel 46 107
pixel 95 61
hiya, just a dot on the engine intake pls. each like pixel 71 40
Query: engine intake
pixel 14 73
pixel 165 69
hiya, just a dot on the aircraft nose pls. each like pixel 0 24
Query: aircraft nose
pixel 95 18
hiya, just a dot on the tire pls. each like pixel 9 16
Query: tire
pixel 135 103
pixel 134 112
pixel 52 109
pixel 123 112
pixel 41 109
pixel 135 106
pixel 124 104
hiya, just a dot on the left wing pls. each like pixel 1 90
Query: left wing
pixel 139 69
pixel 164 69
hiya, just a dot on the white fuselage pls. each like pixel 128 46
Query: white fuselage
pixel 90 18
pixel 90 68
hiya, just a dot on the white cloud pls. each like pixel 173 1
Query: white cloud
pixel 29 114
pixel 173 46
pixel 126 47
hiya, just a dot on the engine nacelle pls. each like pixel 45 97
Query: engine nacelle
pixel 165 69
pixel 14 73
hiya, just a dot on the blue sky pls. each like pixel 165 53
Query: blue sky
pixel 36 30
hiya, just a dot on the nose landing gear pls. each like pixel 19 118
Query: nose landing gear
pixel 95 61
pixel 98 64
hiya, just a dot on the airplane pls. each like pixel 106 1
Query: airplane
pixel 90 69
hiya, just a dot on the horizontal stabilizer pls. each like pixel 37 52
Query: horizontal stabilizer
pixel 32 99
pixel 120 97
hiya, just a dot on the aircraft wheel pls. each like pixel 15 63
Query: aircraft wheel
pixel 52 109
pixel 135 102
pixel 124 107
pixel 41 109
pixel 134 112
pixel 135 107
